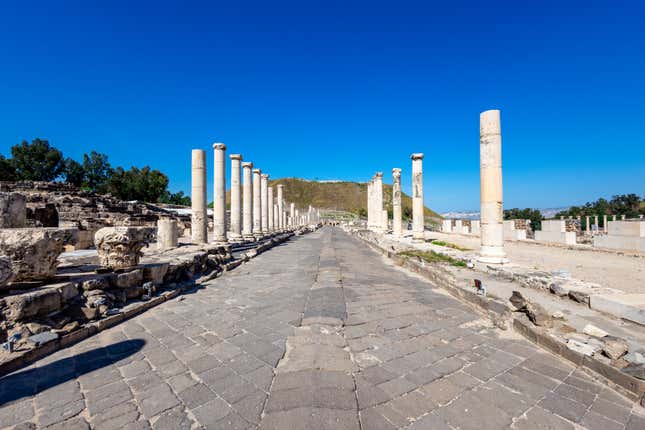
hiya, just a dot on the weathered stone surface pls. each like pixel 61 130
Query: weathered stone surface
pixel 129 279
pixel 6 271
pixel 518 301
pixel 635 357
pixel 539 316
pixel 155 272
pixel 614 347
pixel 33 251
pixel 13 211
pixel 558 290
pixel 96 283
pixel 636 370
pixel 592 330
pixel 40 302
pixel 579 297
pixel 120 247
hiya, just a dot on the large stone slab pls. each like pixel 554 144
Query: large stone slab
pixel 13 210
pixel 120 247
pixel 34 251
pixel 627 306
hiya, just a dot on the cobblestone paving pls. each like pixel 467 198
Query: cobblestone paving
pixel 316 333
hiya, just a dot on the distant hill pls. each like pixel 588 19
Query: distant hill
pixel 340 196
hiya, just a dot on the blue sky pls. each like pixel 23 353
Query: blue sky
pixel 339 89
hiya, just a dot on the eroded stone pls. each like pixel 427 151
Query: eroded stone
pixel 120 247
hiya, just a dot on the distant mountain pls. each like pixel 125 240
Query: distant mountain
pixel 546 213
pixel 338 195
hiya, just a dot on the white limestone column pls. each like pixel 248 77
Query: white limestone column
pixel 280 207
pixel 219 192
pixel 604 223
pixel 247 211
pixel 276 218
pixel 292 213
pixel 264 194
pixel 595 218
pixel 418 223
pixel 257 203
pixel 167 234
pixel 370 204
pixel 588 224
pixel 396 203
pixel 199 221
pixel 271 226
pixel 384 221
pixel 235 234
pixel 492 227
pixel 378 200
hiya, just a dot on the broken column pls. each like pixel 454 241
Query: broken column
pixel 280 206
pixel 264 194
pixel 120 247
pixel 219 193
pixel 167 235
pixel 13 210
pixel 247 210
pixel 271 226
pixel 235 233
pixel 257 204
pixel 396 202
pixel 199 222
pixel 492 229
pixel 418 224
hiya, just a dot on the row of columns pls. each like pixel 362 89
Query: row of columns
pixel 254 210
pixel 377 217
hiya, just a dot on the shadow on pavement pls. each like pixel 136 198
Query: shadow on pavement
pixel 30 382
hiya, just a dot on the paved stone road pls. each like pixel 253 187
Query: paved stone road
pixel 317 333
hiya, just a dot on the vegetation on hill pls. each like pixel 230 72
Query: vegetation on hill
pixel 39 161
pixel 341 196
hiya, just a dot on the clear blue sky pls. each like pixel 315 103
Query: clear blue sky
pixel 339 89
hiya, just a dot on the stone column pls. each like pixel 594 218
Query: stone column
pixel 167 233
pixel 418 223
pixel 270 208
pixel 247 211
pixel 614 217
pixel 257 203
pixel 397 228
pixel 588 224
pixel 384 221
pixel 219 192
pixel 378 200
pixel 236 194
pixel 595 218
pixel 492 227
pixel 198 222
pixel 604 223
pixel 370 205
pixel 280 206
pixel 292 213
pixel 623 217
pixel 264 193
pixel 276 218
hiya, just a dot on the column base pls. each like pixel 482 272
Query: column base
pixel 493 260
pixel 248 238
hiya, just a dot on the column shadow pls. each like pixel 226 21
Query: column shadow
pixel 29 382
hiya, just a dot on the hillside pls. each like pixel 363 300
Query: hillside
pixel 342 196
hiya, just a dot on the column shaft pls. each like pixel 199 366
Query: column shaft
pixel 219 192
pixel 199 222
pixel 418 222
pixel 257 203
pixel 280 206
pixel 236 197
pixel 396 202
pixel 247 211
pixel 264 193
pixel 270 209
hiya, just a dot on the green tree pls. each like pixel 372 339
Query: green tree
pixel 74 173
pixel 177 198
pixel 7 170
pixel 534 215
pixel 97 171
pixel 142 184
pixel 37 161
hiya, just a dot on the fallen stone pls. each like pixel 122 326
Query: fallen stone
pixel 82 313
pixel 582 348
pixel 13 210
pixel 538 315
pixel 518 301
pixel 592 330
pixel 155 272
pixel 98 283
pixel 43 338
pixel 129 279
pixel 120 247
pixel 34 251
pixel 635 370
pixel 634 357
pixel 26 306
pixel 579 297
pixel 67 328
pixel 37 328
pixel 6 271
pixel 558 290
pixel 614 347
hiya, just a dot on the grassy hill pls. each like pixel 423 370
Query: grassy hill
pixel 340 196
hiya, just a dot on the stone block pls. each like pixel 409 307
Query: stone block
pixel 155 272
pixel 34 251
pixel 566 238
pixel 6 271
pixel 627 243
pixel 626 228
pixel 129 279
pixel 13 210
pixel 40 302
pixel 120 247
pixel 627 306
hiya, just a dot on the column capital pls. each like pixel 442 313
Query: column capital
pixel 235 157
pixel 396 172
pixel 417 156
pixel 247 165
pixel 258 171
pixel 219 146
pixel 280 186
pixel 265 176
pixel 378 175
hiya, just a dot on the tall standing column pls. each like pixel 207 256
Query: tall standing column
pixel 276 218
pixel 236 199
pixel 418 223
pixel 247 211
pixel 271 225
pixel 370 205
pixel 396 202
pixel 492 206
pixel 198 223
pixel 257 203
pixel 378 201
pixel 219 192
pixel 264 193
pixel 292 213
pixel 280 206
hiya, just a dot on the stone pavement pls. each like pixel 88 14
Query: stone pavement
pixel 320 332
